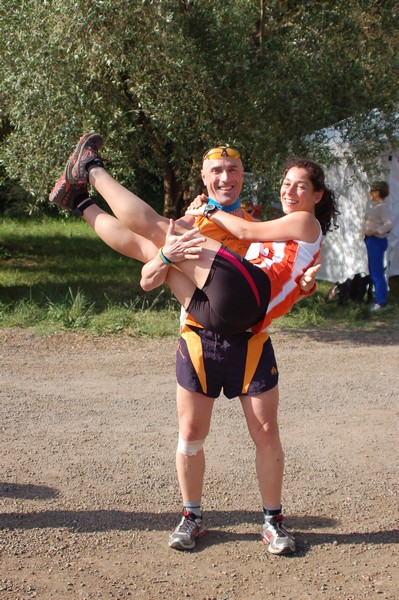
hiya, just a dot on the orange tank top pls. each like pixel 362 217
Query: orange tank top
pixel 215 232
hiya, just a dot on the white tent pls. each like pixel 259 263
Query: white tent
pixel 393 248
pixel 344 252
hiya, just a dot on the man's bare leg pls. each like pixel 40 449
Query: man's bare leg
pixel 194 411
pixel 261 416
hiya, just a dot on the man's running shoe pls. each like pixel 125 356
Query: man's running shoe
pixel 86 151
pixel 275 534
pixel 68 195
pixel 188 530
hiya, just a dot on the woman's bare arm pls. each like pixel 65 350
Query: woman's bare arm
pixel 296 226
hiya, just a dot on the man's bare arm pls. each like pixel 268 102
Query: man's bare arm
pixel 185 246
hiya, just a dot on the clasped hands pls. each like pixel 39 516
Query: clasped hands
pixel 197 206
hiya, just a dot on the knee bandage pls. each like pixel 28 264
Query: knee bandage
pixel 189 448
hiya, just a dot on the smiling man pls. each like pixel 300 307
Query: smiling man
pixel 223 175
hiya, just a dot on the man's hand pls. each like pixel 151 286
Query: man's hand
pixel 308 279
pixel 176 249
pixel 182 247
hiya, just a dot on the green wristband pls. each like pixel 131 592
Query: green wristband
pixel 163 257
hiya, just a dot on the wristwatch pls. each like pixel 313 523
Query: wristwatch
pixel 209 209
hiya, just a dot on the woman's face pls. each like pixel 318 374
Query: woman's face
pixel 297 192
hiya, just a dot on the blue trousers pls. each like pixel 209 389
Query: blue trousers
pixel 376 248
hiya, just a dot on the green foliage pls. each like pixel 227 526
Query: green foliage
pixel 165 80
pixel 325 62
pixel 140 320
pixel 43 259
pixel 14 199
pixel 74 313
pixel 56 275
pixel 138 72
pixel 317 311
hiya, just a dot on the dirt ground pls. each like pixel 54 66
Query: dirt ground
pixel 88 491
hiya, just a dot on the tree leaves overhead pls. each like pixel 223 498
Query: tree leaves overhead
pixel 164 80
pixel 325 62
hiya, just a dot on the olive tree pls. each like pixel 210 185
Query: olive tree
pixel 164 80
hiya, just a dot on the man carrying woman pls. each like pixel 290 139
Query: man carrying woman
pixel 252 372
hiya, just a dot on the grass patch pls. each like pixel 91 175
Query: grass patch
pixel 316 311
pixel 56 275
pixel 45 259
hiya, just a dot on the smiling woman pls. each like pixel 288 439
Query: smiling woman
pixel 294 240
pixel 297 192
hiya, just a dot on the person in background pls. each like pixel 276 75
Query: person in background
pixel 376 229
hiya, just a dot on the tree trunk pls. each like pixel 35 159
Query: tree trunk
pixel 261 24
pixel 173 194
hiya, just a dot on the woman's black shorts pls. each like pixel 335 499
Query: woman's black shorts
pixel 235 295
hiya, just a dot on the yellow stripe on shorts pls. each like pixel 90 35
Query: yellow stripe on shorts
pixel 255 348
pixel 194 347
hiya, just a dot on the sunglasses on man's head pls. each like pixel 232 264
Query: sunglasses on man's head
pixel 221 152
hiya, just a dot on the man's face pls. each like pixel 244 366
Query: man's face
pixel 223 179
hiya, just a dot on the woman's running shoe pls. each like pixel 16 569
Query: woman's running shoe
pixel 68 195
pixel 86 152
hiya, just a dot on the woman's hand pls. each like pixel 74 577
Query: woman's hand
pixel 308 279
pixel 197 206
pixel 182 247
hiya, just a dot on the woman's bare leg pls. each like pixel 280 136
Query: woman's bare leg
pixel 143 220
pixel 139 216
pixel 118 236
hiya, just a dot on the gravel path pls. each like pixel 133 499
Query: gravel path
pixel 88 490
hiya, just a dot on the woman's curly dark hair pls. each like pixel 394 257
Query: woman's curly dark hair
pixel 326 211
